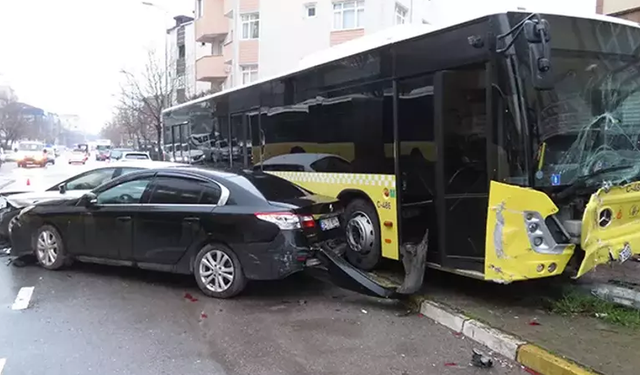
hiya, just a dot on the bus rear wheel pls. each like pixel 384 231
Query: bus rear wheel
pixel 363 234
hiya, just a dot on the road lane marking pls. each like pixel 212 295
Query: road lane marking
pixel 23 298
pixel 3 361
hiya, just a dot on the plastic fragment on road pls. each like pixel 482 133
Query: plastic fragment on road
pixel 364 311
pixel 450 364
pixel 479 359
pixel 534 323
pixel 203 315
pixel 190 297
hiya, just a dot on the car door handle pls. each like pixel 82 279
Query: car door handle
pixel 192 219
pixel 124 218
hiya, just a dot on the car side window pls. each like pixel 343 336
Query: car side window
pixel 175 190
pixel 211 194
pixel 91 180
pixel 129 192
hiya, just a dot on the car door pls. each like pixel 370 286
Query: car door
pixel 168 225
pixel 108 224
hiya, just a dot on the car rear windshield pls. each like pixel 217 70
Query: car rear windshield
pixel 30 147
pixel 272 188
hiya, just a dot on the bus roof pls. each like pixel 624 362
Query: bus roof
pixel 387 37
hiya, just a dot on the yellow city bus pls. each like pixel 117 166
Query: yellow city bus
pixel 511 139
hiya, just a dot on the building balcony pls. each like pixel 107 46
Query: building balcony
pixel 213 24
pixel 211 69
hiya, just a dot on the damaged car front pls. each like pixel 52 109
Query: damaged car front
pixel 585 151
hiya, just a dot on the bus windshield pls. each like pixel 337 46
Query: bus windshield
pixel 589 124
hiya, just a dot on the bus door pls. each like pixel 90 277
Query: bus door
pixel 240 139
pixel 179 145
pixel 461 167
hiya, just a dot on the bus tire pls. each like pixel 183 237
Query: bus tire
pixel 362 227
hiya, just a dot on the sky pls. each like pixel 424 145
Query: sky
pixel 65 56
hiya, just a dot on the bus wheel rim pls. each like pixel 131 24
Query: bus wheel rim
pixel 360 233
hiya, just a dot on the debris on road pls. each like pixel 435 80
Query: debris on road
pixel 450 364
pixel 403 314
pixel 190 297
pixel 534 323
pixel 5 252
pixel 479 359
pixel 203 315
pixel 364 311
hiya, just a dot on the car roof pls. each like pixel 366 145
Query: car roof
pixel 300 159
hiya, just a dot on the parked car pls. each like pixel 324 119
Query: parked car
pixel 303 162
pixel 128 156
pixel 116 153
pixel 224 228
pixel 11 202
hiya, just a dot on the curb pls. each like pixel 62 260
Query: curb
pixel 527 354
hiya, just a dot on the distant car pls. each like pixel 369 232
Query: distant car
pixel 102 154
pixel 116 153
pixel 31 153
pixel 224 228
pixel 128 156
pixel 303 162
pixel 78 157
pixel 12 202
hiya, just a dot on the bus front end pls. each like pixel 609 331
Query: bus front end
pixel 581 205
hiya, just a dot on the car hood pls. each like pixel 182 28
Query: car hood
pixel 27 199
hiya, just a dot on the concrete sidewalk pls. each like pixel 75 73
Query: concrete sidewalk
pixel 516 320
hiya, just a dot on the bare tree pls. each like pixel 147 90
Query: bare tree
pixel 146 95
pixel 13 122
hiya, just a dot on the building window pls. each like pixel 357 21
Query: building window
pixel 348 14
pixel 310 10
pixel 181 52
pixel 401 14
pixel 199 8
pixel 249 74
pixel 250 26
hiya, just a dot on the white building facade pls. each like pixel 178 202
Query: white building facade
pixel 240 41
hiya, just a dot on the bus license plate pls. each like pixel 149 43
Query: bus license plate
pixel 328 224
pixel 625 253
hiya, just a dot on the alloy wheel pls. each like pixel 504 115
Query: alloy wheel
pixel 216 271
pixel 47 248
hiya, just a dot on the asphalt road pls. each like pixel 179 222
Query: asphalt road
pixel 108 320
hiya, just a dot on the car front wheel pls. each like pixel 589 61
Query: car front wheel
pixel 218 272
pixel 49 248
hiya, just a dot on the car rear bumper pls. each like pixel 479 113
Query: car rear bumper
pixel 288 253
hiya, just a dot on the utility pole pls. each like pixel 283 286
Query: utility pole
pixel 165 95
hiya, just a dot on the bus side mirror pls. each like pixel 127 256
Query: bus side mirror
pixel 536 31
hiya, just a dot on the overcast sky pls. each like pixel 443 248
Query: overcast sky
pixel 64 55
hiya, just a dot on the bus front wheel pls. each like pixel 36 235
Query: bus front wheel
pixel 363 234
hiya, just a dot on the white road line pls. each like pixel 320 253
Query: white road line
pixel 3 361
pixel 23 298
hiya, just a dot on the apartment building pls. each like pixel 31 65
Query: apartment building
pixel 250 39
pixel 627 9
pixel 183 52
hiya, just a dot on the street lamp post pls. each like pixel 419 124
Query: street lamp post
pixel 165 100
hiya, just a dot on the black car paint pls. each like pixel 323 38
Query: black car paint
pixel 168 237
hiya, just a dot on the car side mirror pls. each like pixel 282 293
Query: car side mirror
pixel 62 188
pixel 90 199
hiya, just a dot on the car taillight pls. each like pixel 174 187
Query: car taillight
pixel 287 220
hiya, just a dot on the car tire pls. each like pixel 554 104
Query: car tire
pixel 217 259
pixel 362 227
pixel 49 248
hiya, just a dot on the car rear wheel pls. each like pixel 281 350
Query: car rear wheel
pixel 218 272
pixel 363 235
pixel 49 248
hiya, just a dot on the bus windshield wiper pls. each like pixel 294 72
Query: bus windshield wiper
pixel 581 181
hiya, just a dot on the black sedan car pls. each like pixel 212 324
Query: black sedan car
pixel 224 228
